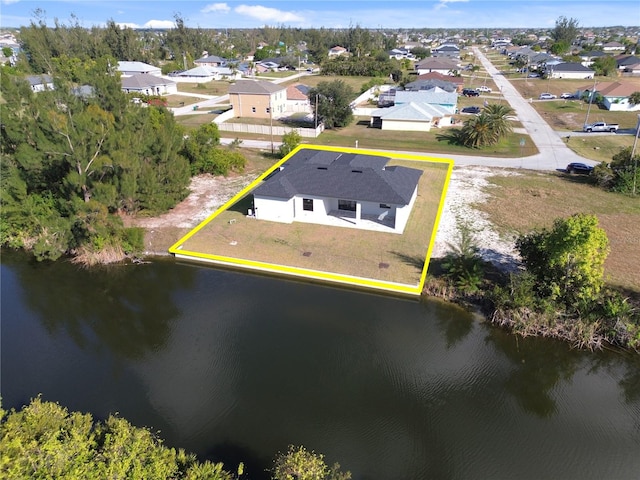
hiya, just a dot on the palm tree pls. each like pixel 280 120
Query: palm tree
pixel 498 114
pixel 478 132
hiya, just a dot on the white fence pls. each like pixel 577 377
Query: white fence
pixel 267 129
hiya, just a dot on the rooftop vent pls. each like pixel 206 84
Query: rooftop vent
pixel 356 171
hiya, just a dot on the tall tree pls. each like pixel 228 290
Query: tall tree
pixel 333 103
pixel 565 31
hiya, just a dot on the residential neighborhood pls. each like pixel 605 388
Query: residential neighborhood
pixel 331 240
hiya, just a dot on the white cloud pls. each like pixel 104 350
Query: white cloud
pixel 216 7
pixel 265 14
pixel 125 25
pixel 444 3
pixel 160 24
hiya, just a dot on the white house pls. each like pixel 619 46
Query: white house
pixel 569 70
pixel 416 117
pixel 615 96
pixel 148 85
pixel 128 69
pixel 322 187
pixel 443 65
pixel 40 83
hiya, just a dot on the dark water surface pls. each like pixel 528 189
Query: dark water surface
pixel 235 367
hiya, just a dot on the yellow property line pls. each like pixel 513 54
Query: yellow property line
pixel 177 248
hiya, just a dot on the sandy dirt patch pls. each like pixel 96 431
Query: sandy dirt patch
pixel 468 186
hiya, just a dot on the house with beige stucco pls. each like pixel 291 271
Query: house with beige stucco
pixel 257 99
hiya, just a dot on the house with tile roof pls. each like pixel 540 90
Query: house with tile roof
pixel 148 84
pixel 298 99
pixel 322 186
pixel 615 95
pixel 257 99
pixel 412 116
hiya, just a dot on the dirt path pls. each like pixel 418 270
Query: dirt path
pixel 467 187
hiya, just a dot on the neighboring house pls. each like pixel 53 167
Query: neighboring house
pixel 258 99
pixel 457 81
pixel 298 99
pixel 337 50
pixel 428 84
pixel 316 186
pixel 210 61
pixel 569 70
pixel 147 84
pixel 615 96
pixel 206 74
pixel 128 69
pixel 613 47
pixel 628 64
pixel 444 66
pixel 401 54
pixel 434 97
pixel 40 83
pixel 589 57
pixel 415 117
pixel 449 51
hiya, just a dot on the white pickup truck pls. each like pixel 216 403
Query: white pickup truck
pixel 600 127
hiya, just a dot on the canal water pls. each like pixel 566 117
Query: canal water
pixel 235 367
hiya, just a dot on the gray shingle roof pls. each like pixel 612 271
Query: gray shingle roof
pixel 571 67
pixel 343 176
pixel 144 80
pixel 255 87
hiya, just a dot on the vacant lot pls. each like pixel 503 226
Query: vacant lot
pixel 346 251
pixel 518 204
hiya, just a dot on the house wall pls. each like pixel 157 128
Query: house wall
pixel 578 75
pixel 623 104
pixel 154 90
pixel 297 106
pixel 244 104
pixel 273 209
pixel 321 208
pixel 405 125
pixel 403 213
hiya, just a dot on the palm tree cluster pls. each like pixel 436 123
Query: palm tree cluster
pixel 488 127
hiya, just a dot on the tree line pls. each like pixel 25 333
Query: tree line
pixel 45 440
pixel 76 159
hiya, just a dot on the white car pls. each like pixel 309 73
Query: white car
pixel 483 88
pixel 547 96
pixel 567 95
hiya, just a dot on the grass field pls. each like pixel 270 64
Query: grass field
pixel 520 203
pixel 345 251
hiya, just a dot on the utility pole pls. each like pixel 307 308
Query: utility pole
pixel 635 160
pixel 593 94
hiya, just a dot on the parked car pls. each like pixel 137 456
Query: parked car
pixel 470 92
pixel 547 96
pixel 567 95
pixel 600 127
pixel 582 168
pixel 483 88
pixel 472 109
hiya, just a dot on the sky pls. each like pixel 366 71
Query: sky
pixel 326 13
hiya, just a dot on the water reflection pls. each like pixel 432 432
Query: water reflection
pixel 538 366
pixel 127 309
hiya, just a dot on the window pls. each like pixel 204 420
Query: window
pixel 253 109
pixel 307 204
pixel 268 109
pixel 385 205
pixel 348 205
